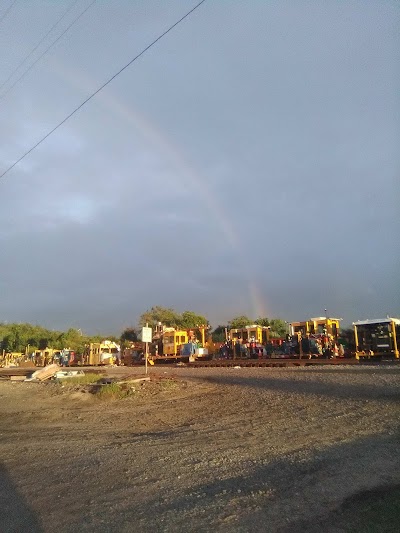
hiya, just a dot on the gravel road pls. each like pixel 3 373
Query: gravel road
pixel 213 449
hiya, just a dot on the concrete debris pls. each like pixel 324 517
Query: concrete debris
pixel 44 373
pixel 65 374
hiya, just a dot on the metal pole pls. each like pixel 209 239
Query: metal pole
pixel 146 352
pixel 395 347
pixel 300 340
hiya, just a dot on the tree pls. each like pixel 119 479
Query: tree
pixel 239 322
pixel 129 335
pixel 262 321
pixel 165 315
pixel 17 338
pixel 278 327
pixel 189 320
pixel 170 318
pixel 219 334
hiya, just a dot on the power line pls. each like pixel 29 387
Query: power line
pixel 102 87
pixel 38 44
pixel 47 49
pixel 7 11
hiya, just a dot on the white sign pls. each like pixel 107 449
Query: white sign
pixel 147 334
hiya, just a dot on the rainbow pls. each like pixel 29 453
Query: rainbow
pixel 191 176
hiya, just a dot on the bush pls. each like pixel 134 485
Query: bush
pixel 111 391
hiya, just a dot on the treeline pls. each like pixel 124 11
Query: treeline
pixel 278 327
pixel 22 337
pixel 189 319
pixel 28 337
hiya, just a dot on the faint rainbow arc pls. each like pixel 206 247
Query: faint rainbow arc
pixel 161 141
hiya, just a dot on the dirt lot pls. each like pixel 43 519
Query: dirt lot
pixel 249 449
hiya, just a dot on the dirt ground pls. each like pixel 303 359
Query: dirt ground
pixel 213 449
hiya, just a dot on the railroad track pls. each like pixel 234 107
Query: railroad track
pixel 221 363
pixel 270 362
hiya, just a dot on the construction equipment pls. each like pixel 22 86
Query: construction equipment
pixel 315 337
pixel 377 338
pixel 101 353
pixel 170 342
pixel 253 333
pixel 10 358
pixel 193 351
pixel 321 325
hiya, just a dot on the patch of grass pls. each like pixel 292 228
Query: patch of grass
pixel 168 384
pixel 111 391
pixel 87 379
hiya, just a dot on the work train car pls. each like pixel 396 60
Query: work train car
pixel 377 339
pixel 254 333
pixel 317 326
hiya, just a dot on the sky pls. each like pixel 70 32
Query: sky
pixel 248 163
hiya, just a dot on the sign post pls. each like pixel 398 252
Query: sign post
pixel 147 336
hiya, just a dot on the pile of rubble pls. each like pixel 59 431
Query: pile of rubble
pixel 38 375
pixel 54 372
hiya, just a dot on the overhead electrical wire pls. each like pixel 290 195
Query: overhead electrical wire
pixel 46 50
pixel 39 43
pixel 102 86
pixel 7 11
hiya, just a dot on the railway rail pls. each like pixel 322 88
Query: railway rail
pixel 221 363
pixel 270 362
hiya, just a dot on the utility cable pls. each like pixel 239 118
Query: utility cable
pixel 7 11
pixel 102 87
pixel 38 44
pixel 47 49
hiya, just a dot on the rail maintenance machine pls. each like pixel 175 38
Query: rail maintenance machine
pixel 377 339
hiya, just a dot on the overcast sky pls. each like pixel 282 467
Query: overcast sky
pixel 246 164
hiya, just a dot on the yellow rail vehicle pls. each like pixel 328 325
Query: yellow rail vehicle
pixel 254 333
pixel 100 353
pixel 376 339
pixel 317 326
pixel 174 339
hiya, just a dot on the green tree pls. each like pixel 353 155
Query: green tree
pixel 156 314
pixel 43 343
pixel 219 334
pixel 239 322
pixel 17 338
pixel 72 339
pixel 189 320
pixel 278 327
pixel 129 335
pixel 170 318
pixel 262 321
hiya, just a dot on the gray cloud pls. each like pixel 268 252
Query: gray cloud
pixel 247 164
